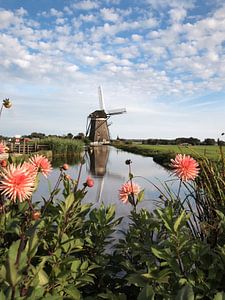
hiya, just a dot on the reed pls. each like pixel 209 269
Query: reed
pixel 63 146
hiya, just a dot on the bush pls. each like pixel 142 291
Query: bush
pixel 61 248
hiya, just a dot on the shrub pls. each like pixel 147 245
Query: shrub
pixel 61 248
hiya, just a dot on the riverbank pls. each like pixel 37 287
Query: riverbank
pixel 162 154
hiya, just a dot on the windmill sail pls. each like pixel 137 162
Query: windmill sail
pixel 101 99
pixel 117 111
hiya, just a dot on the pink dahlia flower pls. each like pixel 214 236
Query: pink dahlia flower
pixel 17 182
pixel 128 189
pixel 2 148
pixel 185 167
pixel 32 169
pixel 41 163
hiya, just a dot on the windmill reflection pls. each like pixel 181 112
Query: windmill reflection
pixel 98 160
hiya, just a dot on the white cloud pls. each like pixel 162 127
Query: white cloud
pixel 63 29
pixel 55 13
pixel 51 13
pixel 177 14
pixel 8 18
pixel 88 18
pixel 21 12
pixel 136 37
pixel 60 21
pixel 109 14
pixel 85 5
pixel 120 40
pixel 157 4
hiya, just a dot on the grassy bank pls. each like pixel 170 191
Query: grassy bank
pixel 163 153
pixel 61 146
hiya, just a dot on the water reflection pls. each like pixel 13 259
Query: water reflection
pixel 59 160
pixel 98 158
pixel 107 166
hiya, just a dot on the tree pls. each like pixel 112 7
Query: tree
pixel 69 136
pixel 209 141
pixel 37 135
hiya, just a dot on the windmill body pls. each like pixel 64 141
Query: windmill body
pixel 97 126
pixel 99 130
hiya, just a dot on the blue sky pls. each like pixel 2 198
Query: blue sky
pixel 164 60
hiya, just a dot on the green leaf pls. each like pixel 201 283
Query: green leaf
pixel 23 206
pixel 84 266
pixel 146 293
pixel 179 220
pixel 68 202
pixel 110 213
pixel 11 271
pixel 75 265
pixel 65 242
pixel 32 245
pixel 137 280
pixel 43 277
pixel 166 222
pixel 73 292
pixel 2 296
pixel 219 296
pixel 140 196
pixel 36 294
pixel 3 273
pixel 186 293
pixel 159 253
pixel 53 297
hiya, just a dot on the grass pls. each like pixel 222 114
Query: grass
pixel 211 152
pixel 63 146
pixel 163 153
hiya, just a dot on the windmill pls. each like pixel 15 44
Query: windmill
pixel 97 129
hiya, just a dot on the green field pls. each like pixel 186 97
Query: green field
pixel 163 153
pixel 212 152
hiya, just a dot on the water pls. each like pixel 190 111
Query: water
pixel 106 165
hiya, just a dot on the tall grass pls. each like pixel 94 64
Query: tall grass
pixel 61 146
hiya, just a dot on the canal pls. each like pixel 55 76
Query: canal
pixel 106 165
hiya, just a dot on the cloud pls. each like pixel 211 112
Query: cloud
pixel 85 5
pixel 177 14
pixel 152 63
pixel 162 4
pixel 8 18
pixel 109 14
pixel 136 37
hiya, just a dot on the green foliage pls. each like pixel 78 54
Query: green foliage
pixel 64 146
pixel 73 251
pixel 56 257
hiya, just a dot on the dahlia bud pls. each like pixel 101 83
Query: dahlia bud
pixel 128 162
pixel 90 182
pixel 36 215
pixel 7 103
pixel 3 163
pixel 65 167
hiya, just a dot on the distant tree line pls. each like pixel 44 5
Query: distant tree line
pixel 178 141
pixel 41 135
